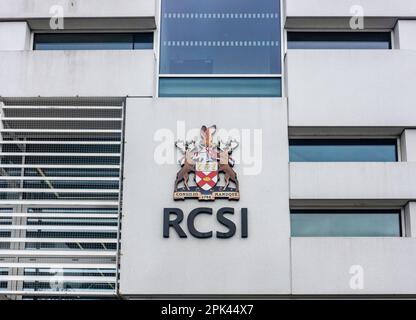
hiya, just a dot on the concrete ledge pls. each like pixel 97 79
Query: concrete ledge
pixel 351 88
pixel 23 9
pixel 341 8
pixel 328 265
pixel 352 180
pixel 94 24
pixel 77 73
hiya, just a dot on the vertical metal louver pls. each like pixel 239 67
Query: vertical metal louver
pixel 60 171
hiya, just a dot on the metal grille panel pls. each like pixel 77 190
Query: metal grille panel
pixel 60 169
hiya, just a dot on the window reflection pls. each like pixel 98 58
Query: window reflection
pixel 338 40
pixel 345 223
pixel 93 41
pixel 223 37
pixel 220 87
pixel 343 150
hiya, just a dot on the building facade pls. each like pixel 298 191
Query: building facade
pixel 311 102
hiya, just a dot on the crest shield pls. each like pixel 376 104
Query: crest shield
pixel 206 174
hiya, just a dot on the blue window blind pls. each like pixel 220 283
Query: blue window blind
pixel 345 223
pixel 220 87
pixel 343 150
pixel 220 37
pixel 93 41
pixel 339 40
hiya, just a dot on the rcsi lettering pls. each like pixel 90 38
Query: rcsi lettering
pixel 173 217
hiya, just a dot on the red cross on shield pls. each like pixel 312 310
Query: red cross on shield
pixel 206 175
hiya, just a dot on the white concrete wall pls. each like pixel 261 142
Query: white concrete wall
pixel 77 8
pixel 151 264
pixel 14 36
pixel 351 88
pixel 405 35
pixel 341 8
pixel 323 265
pixel 348 180
pixel 408 145
pixel 73 73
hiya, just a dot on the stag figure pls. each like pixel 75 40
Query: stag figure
pixel 207 150
pixel 226 163
pixel 187 163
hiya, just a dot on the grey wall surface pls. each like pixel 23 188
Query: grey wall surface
pixel 77 73
pixel 151 264
pixel 351 88
pixel 77 8
pixel 352 180
pixel 341 8
pixel 323 265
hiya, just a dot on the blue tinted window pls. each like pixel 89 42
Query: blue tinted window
pixel 339 40
pixel 218 36
pixel 93 41
pixel 342 150
pixel 143 41
pixel 345 223
pixel 220 87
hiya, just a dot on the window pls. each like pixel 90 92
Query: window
pixel 93 41
pixel 339 40
pixel 220 37
pixel 220 87
pixel 345 223
pixel 343 150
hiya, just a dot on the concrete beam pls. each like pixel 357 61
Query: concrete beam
pixel 351 88
pixel 14 36
pixel 405 35
pixel 410 219
pixel 408 145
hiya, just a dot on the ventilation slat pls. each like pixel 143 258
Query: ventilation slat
pixel 59 240
pixel 60 182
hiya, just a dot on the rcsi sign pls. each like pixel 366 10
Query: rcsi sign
pixel 176 223
pixel 205 159
pixel 152 265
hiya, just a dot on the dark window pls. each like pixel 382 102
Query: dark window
pixel 345 223
pixel 343 150
pixel 339 40
pixel 220 37
pixel 220 87
pixel 93 41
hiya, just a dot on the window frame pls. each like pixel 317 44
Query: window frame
pixel 103 31
pixel 157 39
pixel 400 210
pixel 351 137
pixel 234 77
pixel 324 30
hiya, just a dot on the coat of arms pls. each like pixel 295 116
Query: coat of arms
pixel 206 160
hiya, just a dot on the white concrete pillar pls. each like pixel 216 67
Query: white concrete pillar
pixel 408 145
pixel 14 36
pixel 405 35
pixel 410 219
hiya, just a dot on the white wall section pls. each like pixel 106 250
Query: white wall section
pixel 77 73
pixel 351 88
